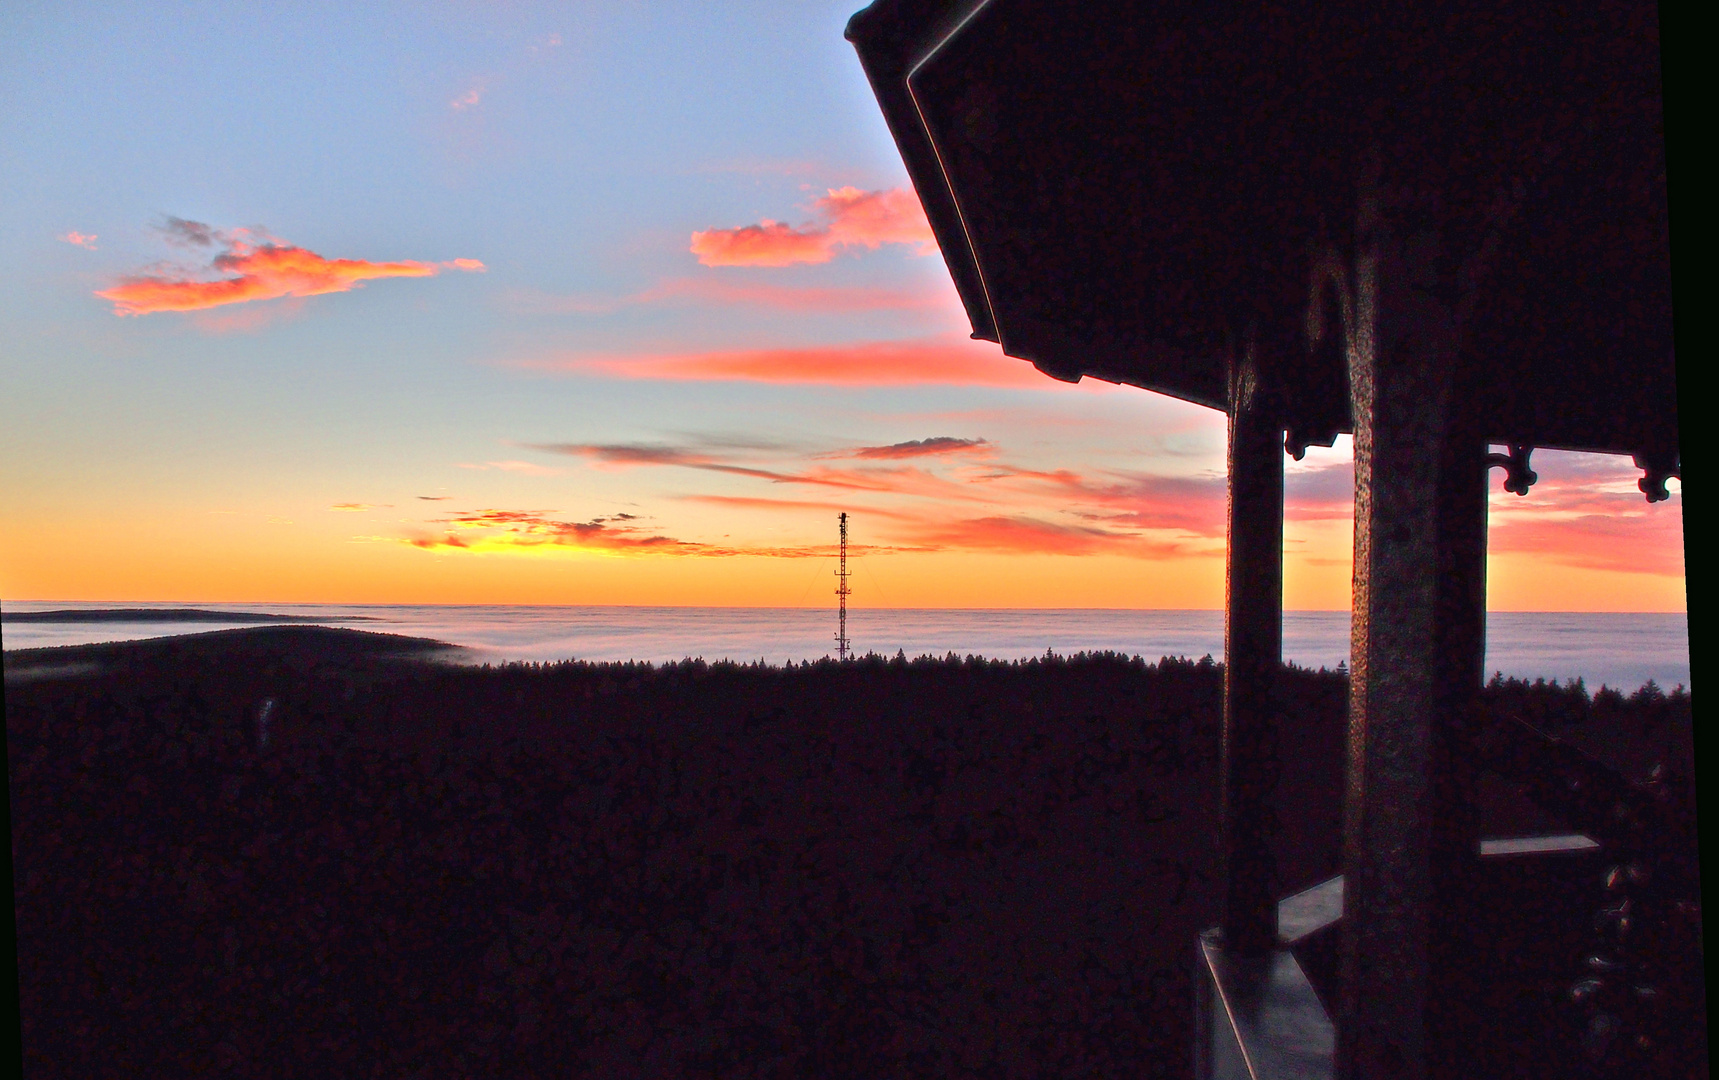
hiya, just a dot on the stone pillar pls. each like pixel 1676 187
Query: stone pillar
pixel 1416 659
pixel 1253 652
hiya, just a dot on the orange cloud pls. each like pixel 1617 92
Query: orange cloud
pixel 769 243
pixel 353 507
pixel 514 530
pixel 504 530
pixel 83 240
pixel 945 361
pixel 262 271
pixel 853 218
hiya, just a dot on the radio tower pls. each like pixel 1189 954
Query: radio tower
pixel 842 593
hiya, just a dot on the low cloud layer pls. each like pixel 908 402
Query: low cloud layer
pixel 851 218
pixel 255 268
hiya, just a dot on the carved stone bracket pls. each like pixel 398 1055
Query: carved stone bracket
pixel 1518 476
pixel 1658 469
pixel 1296 439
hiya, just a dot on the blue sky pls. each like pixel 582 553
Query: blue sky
pixel 561 426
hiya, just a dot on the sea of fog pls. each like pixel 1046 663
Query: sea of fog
pixel 1620 650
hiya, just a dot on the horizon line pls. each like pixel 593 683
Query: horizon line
pixel 793 607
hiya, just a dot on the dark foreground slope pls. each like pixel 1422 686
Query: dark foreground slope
pixel 296 852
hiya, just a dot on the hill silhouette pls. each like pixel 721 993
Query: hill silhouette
pixel 186 615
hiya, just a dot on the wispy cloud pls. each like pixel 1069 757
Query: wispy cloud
pixel 945 501
pixel 83 240
pixel 245 320
pixel 935 446
pixel 890 480
pixel 926 361
pixel 711 291
pixel 851 218
pixel 525 467
pixel 1188 504
pixel 1030 536
pixel 629 453
pixel 747 502
pixel 355 507
pixel 260 268
pixel 435 498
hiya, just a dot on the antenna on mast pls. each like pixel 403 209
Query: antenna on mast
pixel 842 593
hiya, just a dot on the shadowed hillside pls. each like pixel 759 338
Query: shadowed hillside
pixel 298 851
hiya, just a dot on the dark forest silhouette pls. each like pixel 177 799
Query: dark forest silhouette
pixel 290 851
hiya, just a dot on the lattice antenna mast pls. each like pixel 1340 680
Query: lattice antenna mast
pixel 842 593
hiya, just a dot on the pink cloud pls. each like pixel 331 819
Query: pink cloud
pixel 261 271
pixel 870 218
pixel 83 240
pixel 932 361
pixel 1013 533
pixel 743 502
pixel 852 219
pixel 247 320
pixel 1194 505
pixel 892 480
pixel 1586 512
pixel 471 98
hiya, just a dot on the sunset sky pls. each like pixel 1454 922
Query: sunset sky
pixel 593 303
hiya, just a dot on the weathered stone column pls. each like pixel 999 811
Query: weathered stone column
pixel 1416 658
pixel 1253 652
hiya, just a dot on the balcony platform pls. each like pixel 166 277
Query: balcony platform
pixel 1271 1017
